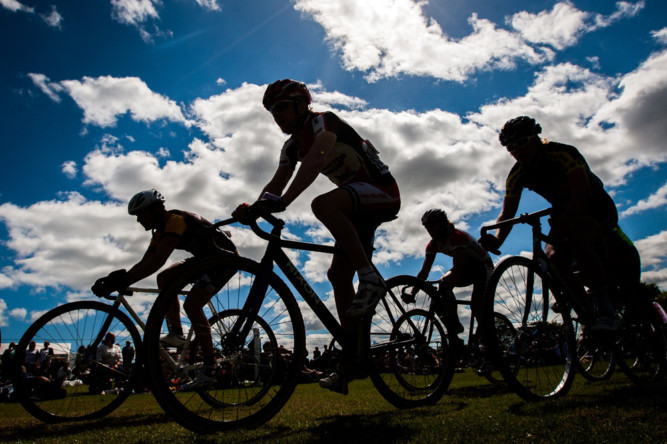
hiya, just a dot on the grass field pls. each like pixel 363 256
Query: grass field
pixel 473 411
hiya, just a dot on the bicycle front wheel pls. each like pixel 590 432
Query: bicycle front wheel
pixel 412 360
pixel 72 385
pixel 536 359
pixel 257 370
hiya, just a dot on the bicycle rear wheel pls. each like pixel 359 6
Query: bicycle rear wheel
pixel 257 372
pixel 76 387
pixel 412 361
pixel 595 360
pixel 537 361
pixel 642 346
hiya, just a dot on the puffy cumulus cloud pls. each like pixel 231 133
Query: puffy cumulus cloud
pixel 652 250
pixel 564 24
pixel 103 99
pixel 69 242
pixel 388 41
pixel 637 114
pixel 18 313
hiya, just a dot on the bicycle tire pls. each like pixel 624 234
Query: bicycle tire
pixel 595 360
pixel 414 336
pixel 69 327
pixel 538 361
pixel 641 348
pixel 237 403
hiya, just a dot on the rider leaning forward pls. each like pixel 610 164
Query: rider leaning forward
pixel 365 196
pixel 583 214
pixel 176 230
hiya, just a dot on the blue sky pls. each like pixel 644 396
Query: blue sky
pixel 101 99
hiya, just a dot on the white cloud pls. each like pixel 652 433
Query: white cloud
pixel 3 310
pixel 104 99
pixel 69 169
pixel 384 41
pixel 51 89
pixel 653 253
pixel 656 200
pixel 15 5
pixel 660 36
pixel 389 41
pixel 134 12
pixel 18 313
pixel 211 5
pixel 565 24
pixel 53 19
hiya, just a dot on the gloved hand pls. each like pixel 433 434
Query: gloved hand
pixel 490 243
pixel 116 280
pixel 243 214
pixel 272 203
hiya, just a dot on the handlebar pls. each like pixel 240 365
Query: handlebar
pixel 532 219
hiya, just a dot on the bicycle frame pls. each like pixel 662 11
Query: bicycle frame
pixel 544 263
pixel 274 254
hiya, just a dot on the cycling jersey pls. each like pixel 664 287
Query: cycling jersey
pixel 460 241
pixel 352 159
pixel 194 233
pixel 547 175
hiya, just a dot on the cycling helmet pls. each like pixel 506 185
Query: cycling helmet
pixel 285 90
pixel 517 128
pixel 433 216
pixel 144 199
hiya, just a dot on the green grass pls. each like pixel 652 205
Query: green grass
pixel 473 411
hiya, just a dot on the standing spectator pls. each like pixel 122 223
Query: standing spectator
pixel 31 356
pixel 128 354
pixel 46 352
pixel 109 352
pixel 7 357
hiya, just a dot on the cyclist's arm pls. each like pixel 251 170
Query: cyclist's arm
pixel 154 258
pixel 279 181
pixel 311 166
pixel 510 207
pixel 426 267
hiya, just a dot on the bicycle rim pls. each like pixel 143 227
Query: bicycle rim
pixel 256 373
pixel 84 389
pixel 537 362
pixel 412 362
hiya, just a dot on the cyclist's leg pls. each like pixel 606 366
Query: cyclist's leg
pixel 164 279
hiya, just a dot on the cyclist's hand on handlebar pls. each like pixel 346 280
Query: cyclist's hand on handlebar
pixel 490 243
pixel 115 281
pixel 244 214
pixel 271 203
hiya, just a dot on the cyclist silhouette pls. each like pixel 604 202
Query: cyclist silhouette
pixel 583 213
pixel 366 196
pixel 172 230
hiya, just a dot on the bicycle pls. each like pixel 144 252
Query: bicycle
pixel 540 361
pixel 85 388
pixel 473 353
pixel 259 336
